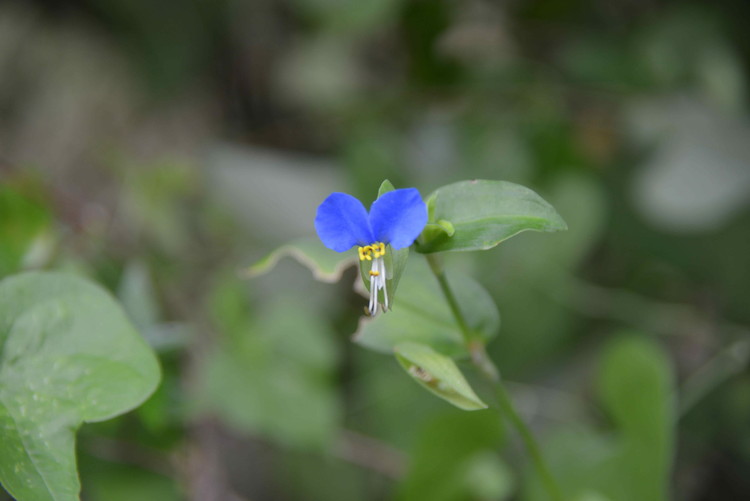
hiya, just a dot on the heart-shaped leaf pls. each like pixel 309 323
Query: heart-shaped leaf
pixel 479 214
pixel 68 355
pixel 438 374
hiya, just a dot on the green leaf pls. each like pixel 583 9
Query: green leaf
pixel 137 295
pixel 422 314
pixel 385 187
pixel 479 214
pixel 68 355
pixel 632 459
pixel 454 458
pixel 438 374
pixel 325 264
pixel 636 388
pixel 24 224
pixel 103 480
pixel 138 298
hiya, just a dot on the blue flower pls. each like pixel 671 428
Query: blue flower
pixel 396 219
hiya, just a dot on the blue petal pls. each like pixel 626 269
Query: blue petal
pixel 398 217
pixel 342 222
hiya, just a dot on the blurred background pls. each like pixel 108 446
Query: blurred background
pixel 162 147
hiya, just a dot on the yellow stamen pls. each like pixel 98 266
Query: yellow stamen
pixel 374 273
pixel 367 252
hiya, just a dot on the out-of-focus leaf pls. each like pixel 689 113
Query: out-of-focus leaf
pixel 438 374
pixel 583 461
pixel 591 496
pixel 269 371
pixel 138 297
pixel 68 355
pixel 422 314
pixel 483 214
pixel 454 459
pixel 136 293
pixel 633 461
pixel 530 275
pixel 486 476
pixel 636 388
pixel 325 264
pixel 350 16
pixel 24 221
pixel 104 481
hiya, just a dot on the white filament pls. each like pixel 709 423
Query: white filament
pixel 377 282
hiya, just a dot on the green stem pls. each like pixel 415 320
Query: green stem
pixel 488 369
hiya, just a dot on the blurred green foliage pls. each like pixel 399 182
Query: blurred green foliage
pixel 160 148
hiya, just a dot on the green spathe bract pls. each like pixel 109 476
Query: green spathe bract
pixel 395 262
pixel 479 214
pixel 68 355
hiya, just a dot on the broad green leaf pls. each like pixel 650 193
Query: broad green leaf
pixel 438 374
pixel 479 214
pixel 395 262
pixel 68 355
pixel 325 264
pixel 422 314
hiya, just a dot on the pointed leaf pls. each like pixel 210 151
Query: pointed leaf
pixel 385 187
pixel 438 374
pixel 480 214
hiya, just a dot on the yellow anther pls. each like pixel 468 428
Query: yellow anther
pixel 374 273
pixel 367 252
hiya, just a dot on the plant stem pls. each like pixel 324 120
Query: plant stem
pixel 484 364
